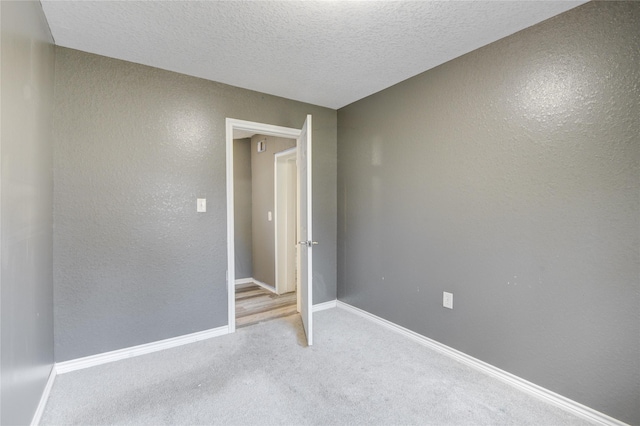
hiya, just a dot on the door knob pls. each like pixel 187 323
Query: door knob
pixel 308 243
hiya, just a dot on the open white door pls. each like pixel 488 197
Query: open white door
pixel 305 239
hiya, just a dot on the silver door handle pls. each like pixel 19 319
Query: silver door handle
pixel 308 243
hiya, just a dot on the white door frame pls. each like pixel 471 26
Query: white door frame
pixel 263 129
pixel 283 196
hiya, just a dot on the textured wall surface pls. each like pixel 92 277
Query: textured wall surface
pixel 242 207
pixel 509 177
pixel 26 209
pixel 134 147
pixel 263 176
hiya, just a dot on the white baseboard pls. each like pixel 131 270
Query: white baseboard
pixel 256 282
pixel 37 416
pixel 325 305
pixel 120 354
pixel 265 286
pixel 539 392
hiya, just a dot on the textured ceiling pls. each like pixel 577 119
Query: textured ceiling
pixel 322 52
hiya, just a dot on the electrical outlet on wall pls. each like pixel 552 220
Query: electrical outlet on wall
pixel 447 300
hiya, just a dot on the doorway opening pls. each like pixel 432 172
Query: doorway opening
pixel 265 219
pixel 288 222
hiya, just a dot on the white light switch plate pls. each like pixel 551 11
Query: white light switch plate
pixel 447 300
pixel 201 205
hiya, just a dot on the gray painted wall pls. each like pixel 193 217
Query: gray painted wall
pixel 243 243
pixel 510 177
pixel 26 209
pixel 263 175
pixel 134 147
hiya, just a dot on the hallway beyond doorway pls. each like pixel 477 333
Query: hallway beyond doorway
pixel 255 304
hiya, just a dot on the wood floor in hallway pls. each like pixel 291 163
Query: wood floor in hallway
pixel 255 304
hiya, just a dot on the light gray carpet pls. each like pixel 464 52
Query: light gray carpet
pixel 357 372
